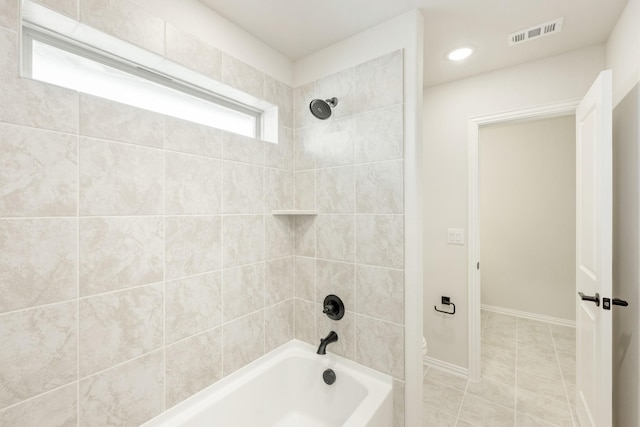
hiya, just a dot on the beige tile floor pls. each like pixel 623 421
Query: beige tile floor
pixel 528 379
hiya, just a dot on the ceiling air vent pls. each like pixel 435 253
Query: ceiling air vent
pixel 535 32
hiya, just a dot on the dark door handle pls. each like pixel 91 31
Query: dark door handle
pixel 606 303
pixel 595 298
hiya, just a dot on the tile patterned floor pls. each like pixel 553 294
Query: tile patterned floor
pixel 528 379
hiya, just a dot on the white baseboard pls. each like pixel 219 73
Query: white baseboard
pixel 447 367
pixel 527 315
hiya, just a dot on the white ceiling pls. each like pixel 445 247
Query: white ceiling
pixel 297 28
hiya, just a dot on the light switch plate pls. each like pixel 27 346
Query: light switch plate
pixel 455 236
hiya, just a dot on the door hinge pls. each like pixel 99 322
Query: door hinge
pixel 478 266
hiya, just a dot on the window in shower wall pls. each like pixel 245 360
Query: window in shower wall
pixel 57 61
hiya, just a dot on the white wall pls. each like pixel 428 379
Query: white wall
pixel 622 51
pixel 199 20
pixel 626 252
pixel 447 109
pixel 624 60
pixel 527 216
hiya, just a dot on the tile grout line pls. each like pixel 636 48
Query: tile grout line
pixel 355 256
pixel 464 395
pixel 78 263
pixel 564 383
pixel 42 394
pixel 294 203
pixel 164 265
pixel 264 252
pixel 315 239
pixel 223 138
pixel 295 265
pixel 221 158
pixel 132 288
pixel 122 363
pixel 208 215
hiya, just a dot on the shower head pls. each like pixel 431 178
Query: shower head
pixel 322 109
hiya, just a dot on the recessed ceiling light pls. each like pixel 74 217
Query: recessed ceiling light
pixel 460 54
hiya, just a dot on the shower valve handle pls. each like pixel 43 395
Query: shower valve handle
pixel 330 308
pixel 333 307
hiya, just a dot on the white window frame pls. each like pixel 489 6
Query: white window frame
pixel 32 32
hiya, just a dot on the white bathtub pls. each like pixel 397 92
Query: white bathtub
pixel 285 389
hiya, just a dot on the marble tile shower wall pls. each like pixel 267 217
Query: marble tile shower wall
pixel 139 262
pixel 350 169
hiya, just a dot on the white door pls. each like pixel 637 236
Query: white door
pixel 593 255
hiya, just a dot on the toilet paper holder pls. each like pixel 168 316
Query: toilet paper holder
pixel 446 301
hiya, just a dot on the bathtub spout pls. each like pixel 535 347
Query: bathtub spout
pixel 332 337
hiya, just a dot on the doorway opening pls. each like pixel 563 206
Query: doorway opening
pixel 527 223
pixel 474 279
pixel 503 305
pixel 527 219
